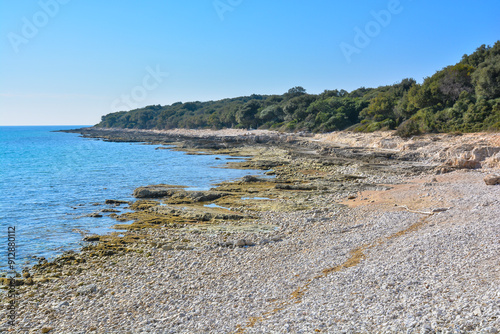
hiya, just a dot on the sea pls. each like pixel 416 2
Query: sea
pixel 50 181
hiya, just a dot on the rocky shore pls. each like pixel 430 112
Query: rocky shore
pixel 348 233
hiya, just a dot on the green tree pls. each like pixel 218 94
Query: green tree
pixel 245 115
pixel 487 78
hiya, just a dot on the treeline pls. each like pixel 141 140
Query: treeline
pixel 464 97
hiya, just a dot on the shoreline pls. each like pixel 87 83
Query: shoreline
pixel 338 208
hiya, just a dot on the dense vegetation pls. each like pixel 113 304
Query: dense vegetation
pixel 462 97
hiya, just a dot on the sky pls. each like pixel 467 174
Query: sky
pixel 69 62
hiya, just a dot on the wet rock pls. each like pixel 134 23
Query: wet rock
pixel 115 202
pixel 109 210
pixel 90 238
pixel 95 215
pixel 492 180
pixel 250 178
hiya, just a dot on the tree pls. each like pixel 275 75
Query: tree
pixel 295 91
pixel 245 115
pixel 487 78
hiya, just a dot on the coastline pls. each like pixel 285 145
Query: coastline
pixel 351 220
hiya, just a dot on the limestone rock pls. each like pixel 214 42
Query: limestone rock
pixel 492 180
pixel 470 157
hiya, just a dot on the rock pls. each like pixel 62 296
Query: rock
pixel 198 196
pixel 492 180
pixel 167 247
pixel 63 304
pixel 183 247
pixel 155 191
pixel 469 156
pixel 283 186
pixel 94 215
pixel 110 210
pixel 489 330
pixel 351 197
pixel 47 329
pixel 493 161
pixel 88 289
pixel 194 213
pixel 115 202
pixel 250 178
pixel 92 238
pixel 440 209
pixel 264 241
pixel 240 243
pixel 477 312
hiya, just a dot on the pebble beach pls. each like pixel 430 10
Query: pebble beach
pixel 379 244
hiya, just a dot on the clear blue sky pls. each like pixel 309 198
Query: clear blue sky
pixel 72 61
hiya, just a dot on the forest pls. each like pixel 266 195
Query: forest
pixel 464 97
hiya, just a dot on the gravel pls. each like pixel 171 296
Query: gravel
pixel 380 266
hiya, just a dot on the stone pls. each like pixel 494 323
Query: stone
pixel 440 210
pixel 63 304
pixel 167 247
pixel 95 215
pixel 85 290
pixel 90 238
pixel 47 329
pixel 154 191
pixel 492 180
pixel 240 243
pixel 115 202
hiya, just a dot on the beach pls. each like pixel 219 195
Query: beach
pixel 347 233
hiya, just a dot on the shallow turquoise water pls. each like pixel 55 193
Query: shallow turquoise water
pixel 50 180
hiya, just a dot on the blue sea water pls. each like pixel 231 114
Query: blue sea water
pixel 50 180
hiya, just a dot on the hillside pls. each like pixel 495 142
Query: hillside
pixel 464 97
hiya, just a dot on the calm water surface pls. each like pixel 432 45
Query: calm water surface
pixel 50 180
